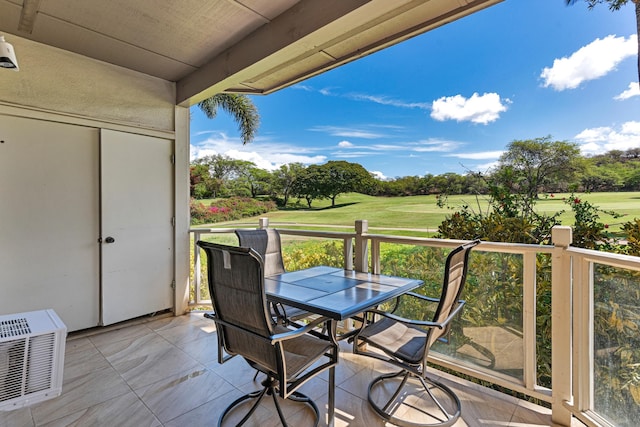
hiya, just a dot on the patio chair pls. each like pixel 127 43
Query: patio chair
pixel 288 357
pixel 405 343
pixel 267 243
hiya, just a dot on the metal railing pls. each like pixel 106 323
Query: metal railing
pixel 572 311
pixel 198 233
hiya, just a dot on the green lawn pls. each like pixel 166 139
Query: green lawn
pixel 422 213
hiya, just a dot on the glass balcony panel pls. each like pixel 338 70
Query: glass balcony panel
pixel 300 252
pixel 616 345
pixel 489 334
pixel 543 320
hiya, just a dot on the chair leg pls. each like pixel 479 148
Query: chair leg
pixel 437 414
pixel 301 398
pixel 385 408
pixel 269 389
pixel 259 394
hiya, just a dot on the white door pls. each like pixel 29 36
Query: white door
pixel 136 225
pixel 49 210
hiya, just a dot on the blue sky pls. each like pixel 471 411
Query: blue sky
pixel 452 99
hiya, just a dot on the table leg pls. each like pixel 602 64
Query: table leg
pixel 332 396
pixel 332 379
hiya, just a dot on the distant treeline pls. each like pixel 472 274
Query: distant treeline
pixel 530 167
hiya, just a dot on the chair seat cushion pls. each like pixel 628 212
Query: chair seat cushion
pixel 302 351
pixel 291 313
pixel 396 339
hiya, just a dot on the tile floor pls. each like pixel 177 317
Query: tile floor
pixel 164 372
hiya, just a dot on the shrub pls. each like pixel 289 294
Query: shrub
pixel 229 209
pixel 588 231
pixel 631 230
pixel 311 253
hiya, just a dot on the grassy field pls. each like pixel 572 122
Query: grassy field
pixel 422 215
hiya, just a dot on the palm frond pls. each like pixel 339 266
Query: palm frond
pixel 240 107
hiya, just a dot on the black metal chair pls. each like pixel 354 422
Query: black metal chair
pixel 405 343
pixel 288 357
pixel 266 242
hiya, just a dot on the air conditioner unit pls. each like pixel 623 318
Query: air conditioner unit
pixel 31 358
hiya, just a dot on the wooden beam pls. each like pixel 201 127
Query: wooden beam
pixel 296 23
pixel 28 15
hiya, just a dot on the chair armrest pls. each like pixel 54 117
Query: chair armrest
pixel 422 297
pixel 396 304
pixel 297 332
pixel 425 323
pixel 277 337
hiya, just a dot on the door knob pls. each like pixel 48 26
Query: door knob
pixel 109 240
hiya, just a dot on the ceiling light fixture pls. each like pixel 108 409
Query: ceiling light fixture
pixel 7 55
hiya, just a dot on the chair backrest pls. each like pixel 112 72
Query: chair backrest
pixel 266 242
pixel 236 286
pixel 455 275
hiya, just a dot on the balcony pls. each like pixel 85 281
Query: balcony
pixel 164 372
pixel 557 324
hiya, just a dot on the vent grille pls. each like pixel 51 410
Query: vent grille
pixel 14 328
pixel 12 358
pixel 31 358
pixel 28 365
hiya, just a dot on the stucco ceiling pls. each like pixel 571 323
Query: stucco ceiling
pixel 211 46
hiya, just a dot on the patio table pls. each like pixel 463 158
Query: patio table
pixel 337 294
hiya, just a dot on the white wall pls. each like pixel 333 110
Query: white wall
pixel 59 81
pixel 60 86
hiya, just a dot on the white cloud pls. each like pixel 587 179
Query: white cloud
pixel 631 128
pixel 386 147
pixel 353 154
pixel 265 154
pixel 632 90
pixel 424 146
pixel 384 100
pixel 602 139
pixel 345 144
pixel 590 62
pixel 348 132
pixel 434 145
pixel 485 167
pixel 378 99
pixel 483 155
pixel 306 88
pixel 379 175
pixel 483 109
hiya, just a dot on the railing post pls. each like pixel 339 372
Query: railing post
pixel 361 261
pixel 263 223
pixel 196 267
pixel 348 253
pixel 561 321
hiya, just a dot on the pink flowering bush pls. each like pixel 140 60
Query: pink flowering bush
pixel 228 209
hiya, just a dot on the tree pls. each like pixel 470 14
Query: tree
pixel 616 5
pixel 336 177
pixel 258 180
pixel 202 185
pixel 332 179
pixel 285 178
pixel 600 179
pixel 305 185
pixel 529 165
pixel 240 107
pixel 222 171
pixel 403 186
pixel 448 183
